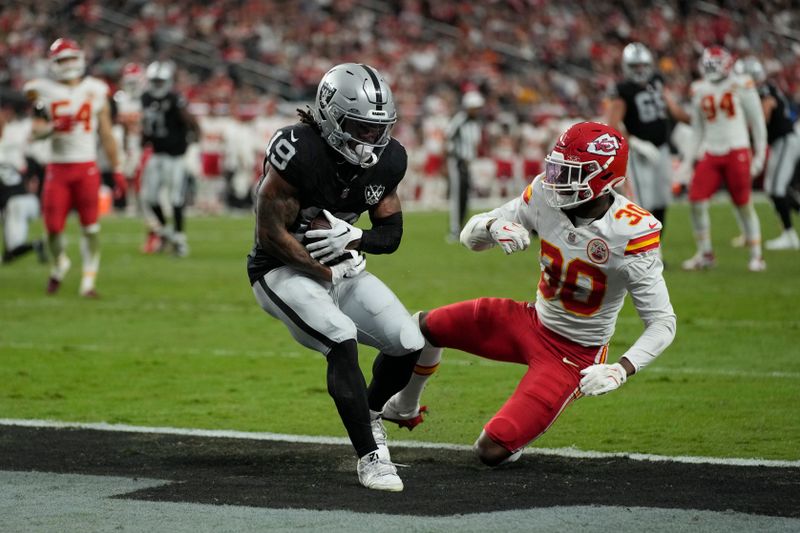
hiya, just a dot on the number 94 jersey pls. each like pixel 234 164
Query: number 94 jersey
pixel 586 271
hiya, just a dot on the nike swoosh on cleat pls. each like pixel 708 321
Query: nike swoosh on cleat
pixel 567 361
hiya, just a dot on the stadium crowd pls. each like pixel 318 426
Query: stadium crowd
pixel 533 60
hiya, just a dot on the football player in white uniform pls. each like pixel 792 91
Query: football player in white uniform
pixel 71 110
pixel 724 107
pixel 596 247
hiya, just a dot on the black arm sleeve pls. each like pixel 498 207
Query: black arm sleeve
pixel 385 235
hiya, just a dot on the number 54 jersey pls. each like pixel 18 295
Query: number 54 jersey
pixel 73 110
pixel 587 270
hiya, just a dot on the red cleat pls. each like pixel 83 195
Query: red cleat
pixel 53 285
pixel 153 243
pixel 405 420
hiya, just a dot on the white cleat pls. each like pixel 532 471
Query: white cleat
pixel 756 264
pixel 377 473
pixel 788 240
pixel 699 261
pixel 379 434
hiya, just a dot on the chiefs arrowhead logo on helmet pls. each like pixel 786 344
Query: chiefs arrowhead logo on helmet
pixel 588 160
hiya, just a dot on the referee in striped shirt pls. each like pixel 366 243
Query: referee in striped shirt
pixel 463 136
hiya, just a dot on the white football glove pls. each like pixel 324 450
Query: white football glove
pixel 334 241
pixel 756 165
pixel 349 268
pixel 511 237
pixel 645 148
pixel 600 379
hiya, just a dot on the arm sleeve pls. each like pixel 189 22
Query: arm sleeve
pixel 651 299
pixel 385 235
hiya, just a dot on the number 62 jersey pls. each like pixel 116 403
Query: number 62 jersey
pixel 587 270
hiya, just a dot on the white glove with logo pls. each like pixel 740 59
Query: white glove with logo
pixel 645 148
pixel 756 165
pixel 600 379
pixel 334 241
pixel 511 237
pixel 349 268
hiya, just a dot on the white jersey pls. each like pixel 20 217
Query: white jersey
pixel 14 141
pixel 588 270
pixel 723 112
pixel 76 106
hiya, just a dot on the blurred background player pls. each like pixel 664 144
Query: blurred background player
pixel 725 106
pixel 128 100
pixel 72 109
pixel 339 161
pixel 463 138
pixel 638 103
pixel 19 202
pixel 784 154
pixel 596 247
pixel 166 126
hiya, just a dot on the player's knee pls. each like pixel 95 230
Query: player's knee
pixel 490 452
pixel 411 339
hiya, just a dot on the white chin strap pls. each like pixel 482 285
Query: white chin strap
pixel 366 155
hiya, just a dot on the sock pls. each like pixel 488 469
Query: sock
pixel 784 209
pixel 90 255
pixel 19 251
pixel 159 214
pixel 701 224
pixel 177 214
pixel 389 375
pixel 752 228
pixel 408 399
pixel 348 389
pixel 59 262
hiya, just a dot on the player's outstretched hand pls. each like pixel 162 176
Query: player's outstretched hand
pixel 332 242
pixel 600 379
pixel 349 268
pixel 511 237
pixel 120 185
pixel 756 166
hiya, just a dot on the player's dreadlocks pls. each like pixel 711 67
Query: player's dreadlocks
pixel 307 118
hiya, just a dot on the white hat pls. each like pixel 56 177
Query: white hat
pixel 472 100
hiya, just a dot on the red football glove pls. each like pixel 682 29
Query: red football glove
pixel 120 185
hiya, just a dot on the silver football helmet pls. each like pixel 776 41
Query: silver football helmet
pixel 637 63
pixel 355 110
pixel 752 66
pixel 159 78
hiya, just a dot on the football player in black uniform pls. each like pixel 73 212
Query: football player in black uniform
pixel 339 161
pixel 166 125
pixel 639 103
pixel 784 151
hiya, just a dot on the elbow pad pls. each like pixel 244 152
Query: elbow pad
pixel 385 235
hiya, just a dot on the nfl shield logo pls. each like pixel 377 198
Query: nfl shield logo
pixel 373 193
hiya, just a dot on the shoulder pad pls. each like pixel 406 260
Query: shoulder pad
pixel 638 226
pixel 528 193
pixel 292 151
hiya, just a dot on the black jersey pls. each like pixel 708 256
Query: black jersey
pixel 780 121
pixel 646 113
pixel 163 125
pixel 324 180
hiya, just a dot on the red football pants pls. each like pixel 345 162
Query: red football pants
pixel 505 330
pixel 732 168
pixel 70 186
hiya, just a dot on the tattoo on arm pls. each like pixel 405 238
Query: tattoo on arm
pixel 277 207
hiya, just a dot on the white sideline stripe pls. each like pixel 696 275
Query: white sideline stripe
pixel 308 439
pixel 455 361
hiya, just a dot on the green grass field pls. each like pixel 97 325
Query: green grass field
pixel 183 343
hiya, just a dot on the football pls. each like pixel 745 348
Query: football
pixel 318 222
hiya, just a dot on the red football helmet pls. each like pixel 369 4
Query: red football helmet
pixel 132 79
pixel 588 160
pixel 716 63
pixel 66 59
